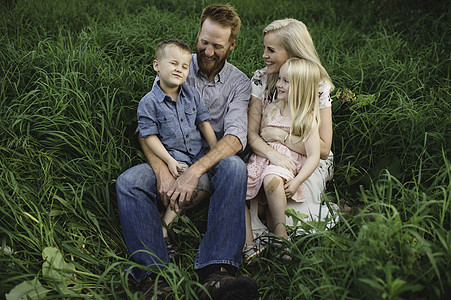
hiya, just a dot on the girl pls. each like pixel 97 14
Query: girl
pixel 283 39
pixel 296 111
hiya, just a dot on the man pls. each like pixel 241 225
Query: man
pixel 225 92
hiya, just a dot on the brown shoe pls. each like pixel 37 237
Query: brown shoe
pixel 221 285
pixel 147 288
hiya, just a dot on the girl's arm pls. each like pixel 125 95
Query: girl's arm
pixel 155 145
pixel 271 134
pixel 312 148
pixel 257 144
pixel 208 133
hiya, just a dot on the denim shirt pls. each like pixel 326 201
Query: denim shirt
pixel 174 122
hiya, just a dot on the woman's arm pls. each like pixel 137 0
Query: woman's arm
pixel 257 144
pixel 325 131
pixel 208 133
pixel 272 134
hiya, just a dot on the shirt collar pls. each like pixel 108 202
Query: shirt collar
pixel 160 95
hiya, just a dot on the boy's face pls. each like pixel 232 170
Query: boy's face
pixel 172 67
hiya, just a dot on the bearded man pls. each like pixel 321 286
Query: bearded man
pixel 225 92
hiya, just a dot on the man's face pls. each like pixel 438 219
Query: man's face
pixel 213 47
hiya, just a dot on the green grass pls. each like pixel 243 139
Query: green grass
pixel 73 72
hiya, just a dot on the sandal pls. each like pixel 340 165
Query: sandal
pixel 252 250
pixel 282 252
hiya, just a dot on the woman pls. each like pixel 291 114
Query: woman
pixel 284 39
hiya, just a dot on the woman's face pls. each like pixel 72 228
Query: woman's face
pixel 274 53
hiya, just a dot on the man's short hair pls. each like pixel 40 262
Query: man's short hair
pixel 223 14
pixel 161 47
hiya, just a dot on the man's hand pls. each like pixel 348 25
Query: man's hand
pixel 164 181
pixel 181 190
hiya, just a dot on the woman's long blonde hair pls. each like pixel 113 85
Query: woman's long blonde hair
pixel 303 98
pixel 297 41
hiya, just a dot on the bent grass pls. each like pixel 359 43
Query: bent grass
pixel 70 81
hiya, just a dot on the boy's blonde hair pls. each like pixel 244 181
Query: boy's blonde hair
pixel 161 47
pixel 297 41
pixel 223 14
pixel 303 98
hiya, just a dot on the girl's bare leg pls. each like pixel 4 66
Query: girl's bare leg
pixel 277 202
pixel 249 234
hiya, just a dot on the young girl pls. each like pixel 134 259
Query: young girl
pixel 297 112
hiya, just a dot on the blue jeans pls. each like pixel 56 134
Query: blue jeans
pixel 141 223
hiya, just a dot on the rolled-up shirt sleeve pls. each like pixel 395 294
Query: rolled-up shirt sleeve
pixel 235 120
pixel 147 123
pixel 202 111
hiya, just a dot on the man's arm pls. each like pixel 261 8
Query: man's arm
pixel 183 187
pixel 294 142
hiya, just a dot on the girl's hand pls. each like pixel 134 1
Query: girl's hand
pixel 273 134
pixel 291 187
pixel 174 167
pixel 281 160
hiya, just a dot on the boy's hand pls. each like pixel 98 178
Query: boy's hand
pixel 164 181
pixel 175 168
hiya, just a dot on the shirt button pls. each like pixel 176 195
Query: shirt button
pixel 187 135
pixel 190 149
pixel 181 120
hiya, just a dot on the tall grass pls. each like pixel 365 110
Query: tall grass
pixel 71 76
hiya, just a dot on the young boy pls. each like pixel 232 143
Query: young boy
pixel 171 119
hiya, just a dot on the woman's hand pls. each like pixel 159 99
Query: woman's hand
pixel 281 160
pixel 273 134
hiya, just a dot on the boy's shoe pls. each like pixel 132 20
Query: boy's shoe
pixel 147 288
pixel 172 250
pixel 221 285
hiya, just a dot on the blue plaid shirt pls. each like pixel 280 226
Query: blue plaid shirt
pixel 174 122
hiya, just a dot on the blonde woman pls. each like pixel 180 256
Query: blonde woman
pixel 282 40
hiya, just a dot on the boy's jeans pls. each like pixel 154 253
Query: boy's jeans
pixel 141 222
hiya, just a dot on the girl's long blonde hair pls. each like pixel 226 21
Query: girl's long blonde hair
pixel 297 41
pixel 303 98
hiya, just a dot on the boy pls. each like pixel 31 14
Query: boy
pixel 171 118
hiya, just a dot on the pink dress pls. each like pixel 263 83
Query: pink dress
pixel 258 167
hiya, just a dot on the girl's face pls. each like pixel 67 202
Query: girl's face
pixel 274 53
pixel 283 85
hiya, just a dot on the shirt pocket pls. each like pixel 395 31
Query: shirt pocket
pixel 167 127
pixel 191 115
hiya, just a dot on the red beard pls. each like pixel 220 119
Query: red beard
pixel 210 68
